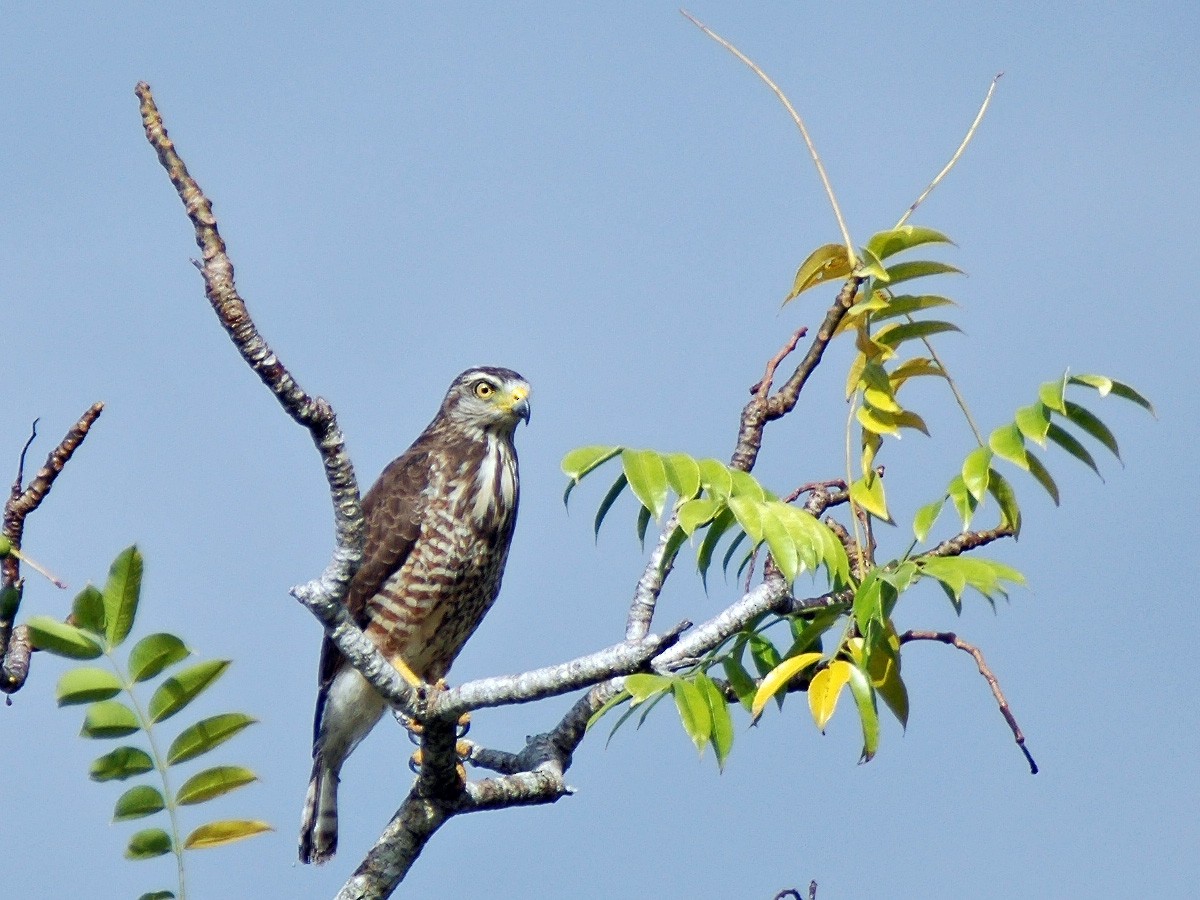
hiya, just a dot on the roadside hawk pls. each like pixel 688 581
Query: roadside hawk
pixel 439 522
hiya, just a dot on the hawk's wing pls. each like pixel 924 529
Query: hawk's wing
pixel 393 509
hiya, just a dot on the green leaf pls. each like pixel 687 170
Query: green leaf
pixel 1042 475
pixel 718 711
pixel 864 699
pixel 62 639
pixel 895 335
pixel 217 834
pixel 138 802
pixel 581 461
pixel 722 523
pixel 891 688
pixel 868 494
pixel 896 240
pixel 877 388
pixel 122 763
pixel 781 544
pixel 205 735
pixel 683 474
pixel 154 653
pixel 647 478
pixel 749 515
pixel 907 305
pixel 907 271
pixel 10 602
pixel 763 652
pixel 975 472
pixel 675 540
pixel 826 263
pixel 1007 443
pixel 1033 421
pixel 963 502
pixel 109 719
pixel 740 681
pixel 643 686
pixel 871 266
pixel 178 691
pixel 88 610
pixel 924 519
pixel 807 633
pixel 1052 394
pixel 1006 497
pixel 916 367
pixel 157 895
pixel 1105 385
pixel 609 499
pixel 824 690
pixel 148 843
pixel 694 714
pixel 778 677
pixel 716 478
pixel 86 685
pixel 121 593
pixel 643 522
pixel 1093 426
pixel 212 783
pixel 1067 441
pixel 733 545
pixel 949 571
pixel 698 512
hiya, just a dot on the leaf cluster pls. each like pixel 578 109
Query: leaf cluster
pixel 99 625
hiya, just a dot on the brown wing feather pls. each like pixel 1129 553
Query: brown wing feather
pixel 392 509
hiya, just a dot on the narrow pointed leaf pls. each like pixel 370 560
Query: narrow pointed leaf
pixel 138 802
pixel 975 472
pixel 1033 421
pixel 122 763
pixel 206 735
pixel 683 474
pixel 1051 394
pixel 868 494
pixel 1093 426
pixel 919 268
pixel 121 594
pixel 764 654
pixel 1042 475
pixel 1067 441
pixel 722 523
pixel 740 680
pixel 864 699
pixel 1007 443
pixel 925 517
pixel 157 895
pixel 776 679
pixel 181 689
pixel 148 843
pixel 213 782
pixel 609 499
pixel 718 711
pixel 895 335
pixel 154 653
pixel 87 611
pixel 693 713
pixel 896 240
pixel 643 522
pixel 581 461
pixel 906 305
pixel 675 540
pixel 217 834
pixel 780 542
pixel 826 263
pixel 86 685
pixel 950 571
pixel 963 502
pixel 642 686
pixel 62 639
pixel 1105 385
pixel 895 694
pixel 916 367
pixel 109 719
pixel 825 689
pixel 1006 497
pixel 647 478
pixel 733 545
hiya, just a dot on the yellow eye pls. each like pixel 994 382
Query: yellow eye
pixel 483 390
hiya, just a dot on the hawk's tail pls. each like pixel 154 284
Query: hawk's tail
pixel 319 827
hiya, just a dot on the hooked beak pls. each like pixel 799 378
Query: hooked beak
pixel 520 404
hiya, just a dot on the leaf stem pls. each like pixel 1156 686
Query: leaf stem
pixel 161 766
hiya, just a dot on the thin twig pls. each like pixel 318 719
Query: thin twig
pixel 763 388
pixel 957 153
pixel 812 149
pixel 949 637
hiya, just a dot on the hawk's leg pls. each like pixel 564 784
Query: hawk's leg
pixel 462 748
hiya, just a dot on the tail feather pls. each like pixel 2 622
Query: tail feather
pixel 319 827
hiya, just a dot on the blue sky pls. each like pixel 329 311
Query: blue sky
pixel 601 198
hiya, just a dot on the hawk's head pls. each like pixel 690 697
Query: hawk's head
pixel 487 398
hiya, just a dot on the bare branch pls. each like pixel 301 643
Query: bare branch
pixel 14 647
pixel 970 540
pixel 949 637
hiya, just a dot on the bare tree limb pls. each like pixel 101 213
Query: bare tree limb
pixel 14 646
pixel 949 637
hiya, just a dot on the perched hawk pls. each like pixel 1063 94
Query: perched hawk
pixel 439 521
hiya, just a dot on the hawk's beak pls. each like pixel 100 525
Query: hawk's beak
pixel 520 404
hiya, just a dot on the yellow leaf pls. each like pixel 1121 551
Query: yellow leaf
pixel 825 689
pixel 217 834
pixel 826 263
pixel 778 677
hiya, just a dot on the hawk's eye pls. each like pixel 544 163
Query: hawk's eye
pixel 483 390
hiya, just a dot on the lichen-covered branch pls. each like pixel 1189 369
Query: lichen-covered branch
pixel 14 644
